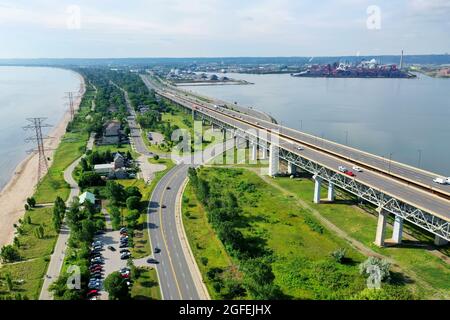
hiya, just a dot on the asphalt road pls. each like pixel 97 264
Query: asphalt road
pixel 409 193
pixel 175 279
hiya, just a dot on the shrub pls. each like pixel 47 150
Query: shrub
pixel 375 263
pixel 339 255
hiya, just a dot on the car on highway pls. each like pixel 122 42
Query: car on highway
pixel 168 188
pixel 111 248
pixel 300 148
pixel 163 206
pixel 440 180
pixel 350 173
pixel 342 169
pixel 157 250
pixel 357 169
pixel 153 261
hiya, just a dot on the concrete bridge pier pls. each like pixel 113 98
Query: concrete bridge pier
pixel 331 192
pixel 398 230
pixel 292 169
pixel 317 187
pixel 274 160
pixel 438 241
pixel 381 227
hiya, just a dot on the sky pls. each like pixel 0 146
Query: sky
pixel 221 28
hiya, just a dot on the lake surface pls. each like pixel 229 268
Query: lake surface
pixel 24 93
pixel 409 118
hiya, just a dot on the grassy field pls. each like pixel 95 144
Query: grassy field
pixel 34 253
pixel 302 265
pixel 146 286
pixel 431 271
pixel 202 239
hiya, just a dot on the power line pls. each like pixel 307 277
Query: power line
pixel 69 95
pixel 36 124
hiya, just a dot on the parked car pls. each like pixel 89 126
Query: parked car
pixel 123 245
pixel 123 229
pixel 111 248
pixel 124 250
pixel 125 269
pixel 125 256
pixel 125 275
pixel 97 260
pixel 97 243
pixel 92 293
pixel 99 268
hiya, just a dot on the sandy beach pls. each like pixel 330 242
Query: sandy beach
pixel 23 183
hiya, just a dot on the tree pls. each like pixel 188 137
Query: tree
pixel 156 157
pixel 9 254
pixel 9 281
pixel 84 164
pixel 116 192
pixel 133 192
pixel 31 202
pixel 90 179
pixel 339 255
pixel 133 203
pixel 374 264
pixel 117 287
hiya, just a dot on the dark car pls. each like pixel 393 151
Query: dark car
pixel 124 250
pixel 124 245
pixel 168 188
pixel 157 250
pixel 111 248
pixel 153 261
pixel 125 256
pixel 163 206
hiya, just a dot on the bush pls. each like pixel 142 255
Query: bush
pixel 9 254
pixel 381 266
pixel 204 260
pixel 133 203
pixel 339 255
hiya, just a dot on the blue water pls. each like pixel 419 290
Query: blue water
pixel 29 92
pixel 407 117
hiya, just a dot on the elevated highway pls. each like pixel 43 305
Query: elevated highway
pixel 395 188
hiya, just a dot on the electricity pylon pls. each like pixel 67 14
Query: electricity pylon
pixel 36 125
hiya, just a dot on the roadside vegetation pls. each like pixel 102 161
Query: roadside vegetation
pixel 248 247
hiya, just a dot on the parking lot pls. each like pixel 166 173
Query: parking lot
pixel 111 258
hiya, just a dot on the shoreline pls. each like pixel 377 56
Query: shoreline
pixel 23 181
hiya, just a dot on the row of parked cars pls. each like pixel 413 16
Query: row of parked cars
pixel 96 270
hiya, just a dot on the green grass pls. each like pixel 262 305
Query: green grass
pixel 34 253
pixel 146 286
pixel 72 147
pixel 361 226
pixel 280 224
pixel 202 239
pixel 238 158
pixel 27 276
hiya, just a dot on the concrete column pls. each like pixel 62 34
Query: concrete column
pixel 398 230
pixel 381 227
pixel 254 152
pixel 274 160
pixel 292 169
pixel 317 188
pixel 331 193
pixel 438 241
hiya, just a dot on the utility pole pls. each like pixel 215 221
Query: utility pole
pixel 69 95
pixel 36 124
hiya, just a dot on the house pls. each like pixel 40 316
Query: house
pixel 119 161
pixel 104 169
pixel 112 132
pixel 87 196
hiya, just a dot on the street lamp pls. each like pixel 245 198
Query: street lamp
pixel 390 160
pixel 420 157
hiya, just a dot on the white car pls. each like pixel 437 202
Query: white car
pixel 441 180
pixel 300 148
pixel 342 169
pixel 357 169
pixel 448 180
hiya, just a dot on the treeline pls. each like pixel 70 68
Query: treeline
pixel 224 213
pixel 83 224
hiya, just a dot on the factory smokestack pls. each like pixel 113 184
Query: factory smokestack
pixel 401 61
